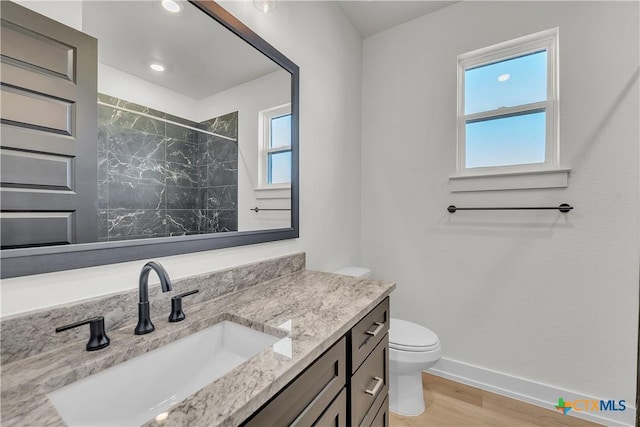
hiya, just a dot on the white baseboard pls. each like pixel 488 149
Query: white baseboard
pixel 542 395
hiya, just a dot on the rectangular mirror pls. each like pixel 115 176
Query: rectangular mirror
pixel 179 135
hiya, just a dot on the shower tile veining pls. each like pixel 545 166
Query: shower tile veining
pixel 158 179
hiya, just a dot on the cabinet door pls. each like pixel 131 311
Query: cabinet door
pixel 382 418
pixel 368 333
pixel 305 399
pixel 336 413
pixel 48 153
pixel 370 385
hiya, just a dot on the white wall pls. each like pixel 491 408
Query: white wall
pixel 319 39
pixel 548 297
pixel 330 105
pixel 114 82
pixel 249 99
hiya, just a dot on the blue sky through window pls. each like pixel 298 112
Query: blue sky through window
pixel 527 83
pixel 280 167
pixel 513 140
pixel 280 131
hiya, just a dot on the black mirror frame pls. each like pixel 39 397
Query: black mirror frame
pixel 28 261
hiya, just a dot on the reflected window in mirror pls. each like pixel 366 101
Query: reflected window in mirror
pixel 275 147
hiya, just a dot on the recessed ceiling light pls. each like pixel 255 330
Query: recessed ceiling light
pixel 156 67
pixel 265 6
pixel 171 5
pixel 504 77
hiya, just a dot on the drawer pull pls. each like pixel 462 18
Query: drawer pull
pixel 377 330
pixel 376 388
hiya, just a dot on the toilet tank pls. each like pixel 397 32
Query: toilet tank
pixel 354 271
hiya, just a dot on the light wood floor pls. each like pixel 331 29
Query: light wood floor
pixel 453 404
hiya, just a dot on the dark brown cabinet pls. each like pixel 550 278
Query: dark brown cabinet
pixel 370 385
pixel 369 379
pixel 382 417
pixel 368 333
pixel 347 386
pixel 307 397
pixel 336 413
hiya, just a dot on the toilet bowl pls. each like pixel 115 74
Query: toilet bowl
pixel 412 349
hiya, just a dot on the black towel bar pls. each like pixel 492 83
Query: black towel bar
pixel 564 208
pixel 257 209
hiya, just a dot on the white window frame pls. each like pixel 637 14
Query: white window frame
pixel 264 122
pixel 544 40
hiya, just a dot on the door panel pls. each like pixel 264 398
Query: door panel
pixel 28 169
pixel 48 181
pixel 32 110
pixel 55 228
pixel 37 50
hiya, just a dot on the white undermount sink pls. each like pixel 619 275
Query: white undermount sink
pixel 145 387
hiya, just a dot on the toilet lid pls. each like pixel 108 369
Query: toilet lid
pixel 408 336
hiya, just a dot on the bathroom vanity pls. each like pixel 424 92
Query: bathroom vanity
pixel 332 391
pixel 328 365
pixel 167 184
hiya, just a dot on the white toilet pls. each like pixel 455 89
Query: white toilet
pixel 412 349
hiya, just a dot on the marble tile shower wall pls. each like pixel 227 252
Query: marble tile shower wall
pixel 219 173
pixel 157 179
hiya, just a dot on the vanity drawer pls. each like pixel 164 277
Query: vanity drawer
pixel 336 414
pixel 304 400
pixel 382 418
pixel 368 333
pixel 370 385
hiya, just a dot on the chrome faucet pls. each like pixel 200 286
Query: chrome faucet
pixel 144 316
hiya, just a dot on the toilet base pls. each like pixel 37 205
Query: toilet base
pixel 406 396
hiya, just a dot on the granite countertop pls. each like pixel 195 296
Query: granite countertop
pixel 317 307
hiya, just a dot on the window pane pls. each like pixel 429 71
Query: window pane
pixel 513 140
pixel 516 81
pixel 279 167
pixel 280 131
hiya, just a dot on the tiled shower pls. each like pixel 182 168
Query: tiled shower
pixel 158 179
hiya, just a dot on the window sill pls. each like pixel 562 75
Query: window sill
pixel 556 178
pixel 275 192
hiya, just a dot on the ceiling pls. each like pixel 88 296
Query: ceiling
pixel 132 34
pixel 202 58
pixel 370 17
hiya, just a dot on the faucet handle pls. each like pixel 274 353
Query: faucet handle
pixel 177 314
pixel 98 339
